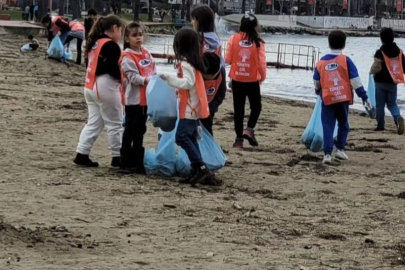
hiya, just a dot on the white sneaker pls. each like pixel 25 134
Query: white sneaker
pixel 327 159
pixel 340 154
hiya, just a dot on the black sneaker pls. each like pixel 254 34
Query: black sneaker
pixel 203 173
pixel 85 161
pixel 212 181
pixel 379 129
pixel 187 180
pixel 400 125
pixel 116 162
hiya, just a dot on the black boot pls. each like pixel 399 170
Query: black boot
pixel 203 173
pixel 84 160
pixel 193 173
pixel 127 159
pixel 116 162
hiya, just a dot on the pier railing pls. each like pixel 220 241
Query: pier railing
pixel 278 55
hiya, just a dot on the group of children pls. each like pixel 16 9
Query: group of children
pixel 116 78
pixel 336 76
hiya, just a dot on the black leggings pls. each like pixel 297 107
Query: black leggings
pixel 79 43
pixel 240 91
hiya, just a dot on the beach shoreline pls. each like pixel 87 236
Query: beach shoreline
pixel 279 207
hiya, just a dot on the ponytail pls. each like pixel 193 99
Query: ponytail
pixel 100 26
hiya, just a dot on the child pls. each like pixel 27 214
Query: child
pixel 388 69
pixel 56 25
pixel 137 67
pixel 192 100
pixel 102 90
pixel 33 42
pixel 203 21
pixel 335 76
pixel 77 32
pixel 246 54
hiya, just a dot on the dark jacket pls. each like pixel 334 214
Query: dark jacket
pixel 88 24
pixel 108 60
pixel 391 51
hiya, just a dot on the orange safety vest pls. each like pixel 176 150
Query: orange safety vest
pixel 93 58
pixel 76 26
pixel 146 68
pixel 245 60
pixel 184 96
pixel 55 28
pixel 211 87
pixel 394 66
pixel 335 81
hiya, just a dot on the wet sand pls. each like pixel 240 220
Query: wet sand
pixel 279 207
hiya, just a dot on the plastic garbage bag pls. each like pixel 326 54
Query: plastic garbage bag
pixel 312 137
pixel 68 55
pixel 211 153
pixel 162 161
pixel 162 104
pixel 56 49
pixel 26 48
pixel 371 96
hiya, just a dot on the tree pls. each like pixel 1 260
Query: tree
pixel 188 18
pixel 61 7
pixel 150 11
pixel 136 5
pixel 75 9
pixel 221 8
pixel 42 8
pixel 183 5
pixel 98 5
pixel 243 6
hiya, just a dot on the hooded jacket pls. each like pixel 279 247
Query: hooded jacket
pixel 379 68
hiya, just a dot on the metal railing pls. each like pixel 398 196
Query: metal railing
pixel 279 55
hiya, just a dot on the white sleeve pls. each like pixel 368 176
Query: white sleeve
pixel 188 80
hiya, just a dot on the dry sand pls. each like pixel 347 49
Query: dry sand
pixel 278 209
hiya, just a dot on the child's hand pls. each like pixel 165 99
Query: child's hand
pixel 146 81
pixel 59 33
pixel 366 103
pixel 163 77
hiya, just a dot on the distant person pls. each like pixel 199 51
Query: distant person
pixel 102 91
pixel 32 7
pixel 36 12
pixel 388 69
pixel 56 25
pixel 335 76
pixel 173 16
pixel 245 52
pixel 33 42
pixel 89 21
pixel 27 13
pixel 76 32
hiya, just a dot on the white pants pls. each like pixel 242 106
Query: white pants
pixel 104 109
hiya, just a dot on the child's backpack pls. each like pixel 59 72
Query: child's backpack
pixel 312 137
pixel 162 104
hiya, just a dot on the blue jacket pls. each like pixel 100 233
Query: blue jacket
pixel 355 80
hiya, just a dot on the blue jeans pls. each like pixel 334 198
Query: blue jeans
pixel 386 93
pixel 186 138
pixel 331 113
pixel 63 37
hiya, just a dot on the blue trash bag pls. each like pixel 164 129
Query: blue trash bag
pixel 163 160
pixel 68 55
pixel 371 90
pixel 162 104
pixel 312 137
pixel 211 153
pixel 56 49
pixel 26 48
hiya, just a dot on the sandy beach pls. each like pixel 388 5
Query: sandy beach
pixel 279 207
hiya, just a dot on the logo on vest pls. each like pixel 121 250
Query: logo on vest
pixel 207 48
pixel 245 44
pixel 394 66
pixel 210 91
pixel 244 54
pixel 331 66
pixel 145 62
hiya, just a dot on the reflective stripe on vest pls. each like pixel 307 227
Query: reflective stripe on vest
pixel 184 96
pixel 146 68
pixel 245 60
pixel 335 80
pixel 93 57
pixel 394 66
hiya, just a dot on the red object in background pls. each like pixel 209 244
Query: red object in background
pixel 399 5
pixel 311 2
pixel 269 2
pixel 345 4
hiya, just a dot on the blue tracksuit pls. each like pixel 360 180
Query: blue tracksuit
pixel 338 111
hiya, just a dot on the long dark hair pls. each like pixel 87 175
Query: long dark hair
pixel 186 46
pixel 205 17
pixel 127 32
pixel 250 26
pixel 100 26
